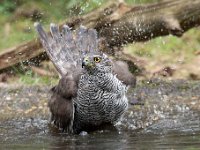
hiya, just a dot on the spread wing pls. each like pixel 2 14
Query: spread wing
pixel 66 48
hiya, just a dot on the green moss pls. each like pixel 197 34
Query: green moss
pixel 168 46
pixel 34 79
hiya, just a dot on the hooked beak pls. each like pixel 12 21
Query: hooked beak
pixel 83 64
pixel 87 63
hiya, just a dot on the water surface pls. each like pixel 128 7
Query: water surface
pixel 168 118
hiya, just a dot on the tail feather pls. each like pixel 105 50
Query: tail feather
pixel 71 44
pixel 65 48
pixel 47 43
pixel 54 29
pixel 92 40
pixel 82 40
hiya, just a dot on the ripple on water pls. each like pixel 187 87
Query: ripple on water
pixel 168 119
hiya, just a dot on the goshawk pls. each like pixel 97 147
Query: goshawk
pixel 92 89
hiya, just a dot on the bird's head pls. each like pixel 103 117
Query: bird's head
pixel 96 63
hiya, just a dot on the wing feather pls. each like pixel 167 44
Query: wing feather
pixel 92 40
pixel 72 49
pixel 54 29
pixel 82 40
pixel 66 48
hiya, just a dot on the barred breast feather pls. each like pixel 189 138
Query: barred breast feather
pixel 100 100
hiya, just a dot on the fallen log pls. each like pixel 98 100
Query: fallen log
pixel 119 24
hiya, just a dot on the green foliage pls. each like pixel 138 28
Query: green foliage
pixel 16 29
pixel 7 6
pixel 169 45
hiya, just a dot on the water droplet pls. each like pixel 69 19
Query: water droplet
pixel 83 133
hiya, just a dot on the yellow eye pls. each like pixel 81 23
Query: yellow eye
pixel 97 59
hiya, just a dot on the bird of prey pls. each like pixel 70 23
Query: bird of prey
pixel 92 88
